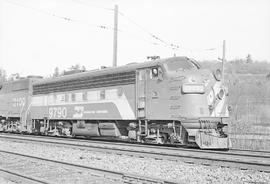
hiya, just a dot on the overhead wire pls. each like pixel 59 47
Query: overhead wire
pixel 158 41
pixel 65 18
pixel 166 44
pixel 199 50
pixel 69 19
pixel 171 45
pixel 142 28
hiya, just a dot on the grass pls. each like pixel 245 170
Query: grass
pixel 249 96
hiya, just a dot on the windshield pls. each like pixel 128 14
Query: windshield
pixel 181 64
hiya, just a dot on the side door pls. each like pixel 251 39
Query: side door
pixel 141 93
pixel 157 94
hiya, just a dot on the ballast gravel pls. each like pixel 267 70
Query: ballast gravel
pixel 165 169
pixel 6 181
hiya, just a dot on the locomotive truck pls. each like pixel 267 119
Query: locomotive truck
pixel 165 101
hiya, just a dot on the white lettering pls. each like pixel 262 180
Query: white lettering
pixel 79 110
pixel 57 112
pixel 18 102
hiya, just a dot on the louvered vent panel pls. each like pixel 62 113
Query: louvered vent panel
pixel 85 83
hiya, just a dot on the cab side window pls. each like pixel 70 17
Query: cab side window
pixel 156 73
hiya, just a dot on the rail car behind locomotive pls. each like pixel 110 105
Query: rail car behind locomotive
pixel 15 99
pixel 169 101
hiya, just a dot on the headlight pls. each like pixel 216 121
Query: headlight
pixel 221 94
pixel 193 88
pixel 217 74
pixel 211 97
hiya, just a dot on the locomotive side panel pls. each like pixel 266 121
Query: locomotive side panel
pixel 155 100
pixel 13 104
pixel 14 97
pixel 112 103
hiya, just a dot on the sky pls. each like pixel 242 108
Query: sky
pixel 38 35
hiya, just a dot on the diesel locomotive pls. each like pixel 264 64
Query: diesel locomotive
pixel 165 101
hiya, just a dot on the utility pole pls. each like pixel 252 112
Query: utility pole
pixel 223 59
pixel 115 35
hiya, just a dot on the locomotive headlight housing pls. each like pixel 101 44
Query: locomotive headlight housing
pixel 193 88
pixel 221 94
pixel 211 97
pixel 217 74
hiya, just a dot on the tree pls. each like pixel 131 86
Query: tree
pixel 75 67
pixel 83 68
pixel 56 72
pixel 78 67
pixel 14 76
pixel 249 59
pixel 3 75
pixel 268 76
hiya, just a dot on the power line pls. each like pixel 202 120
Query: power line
pixel 120 13
pixel 199 50
pixel 160 42
pixel 141 38
pixel 69 19
pixel 173 46
pixel 65 18
pixel 167 44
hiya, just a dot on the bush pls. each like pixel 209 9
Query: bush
pixel 268 76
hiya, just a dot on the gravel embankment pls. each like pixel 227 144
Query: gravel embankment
pixel 165 169
pixel 6 181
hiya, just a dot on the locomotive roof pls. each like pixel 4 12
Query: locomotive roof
pixel 21 80
pixel 18 84
pixel 109 70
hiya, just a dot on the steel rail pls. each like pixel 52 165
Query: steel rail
pixel 22 178
pixel 101 143
pixel 235 158
pixel 240 152
pixel 122 177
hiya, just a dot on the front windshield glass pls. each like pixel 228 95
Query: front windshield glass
pixel 180 64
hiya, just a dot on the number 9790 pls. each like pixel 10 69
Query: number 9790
pixel 57 112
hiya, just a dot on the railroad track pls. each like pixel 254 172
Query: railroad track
pixel 31 169
pixel 255 160
pixel 15 177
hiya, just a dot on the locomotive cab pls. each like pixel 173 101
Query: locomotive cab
pixel 177 102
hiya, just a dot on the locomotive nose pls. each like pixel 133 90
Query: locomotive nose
pixel 193 92
pixel 203 95
pixel 204 102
